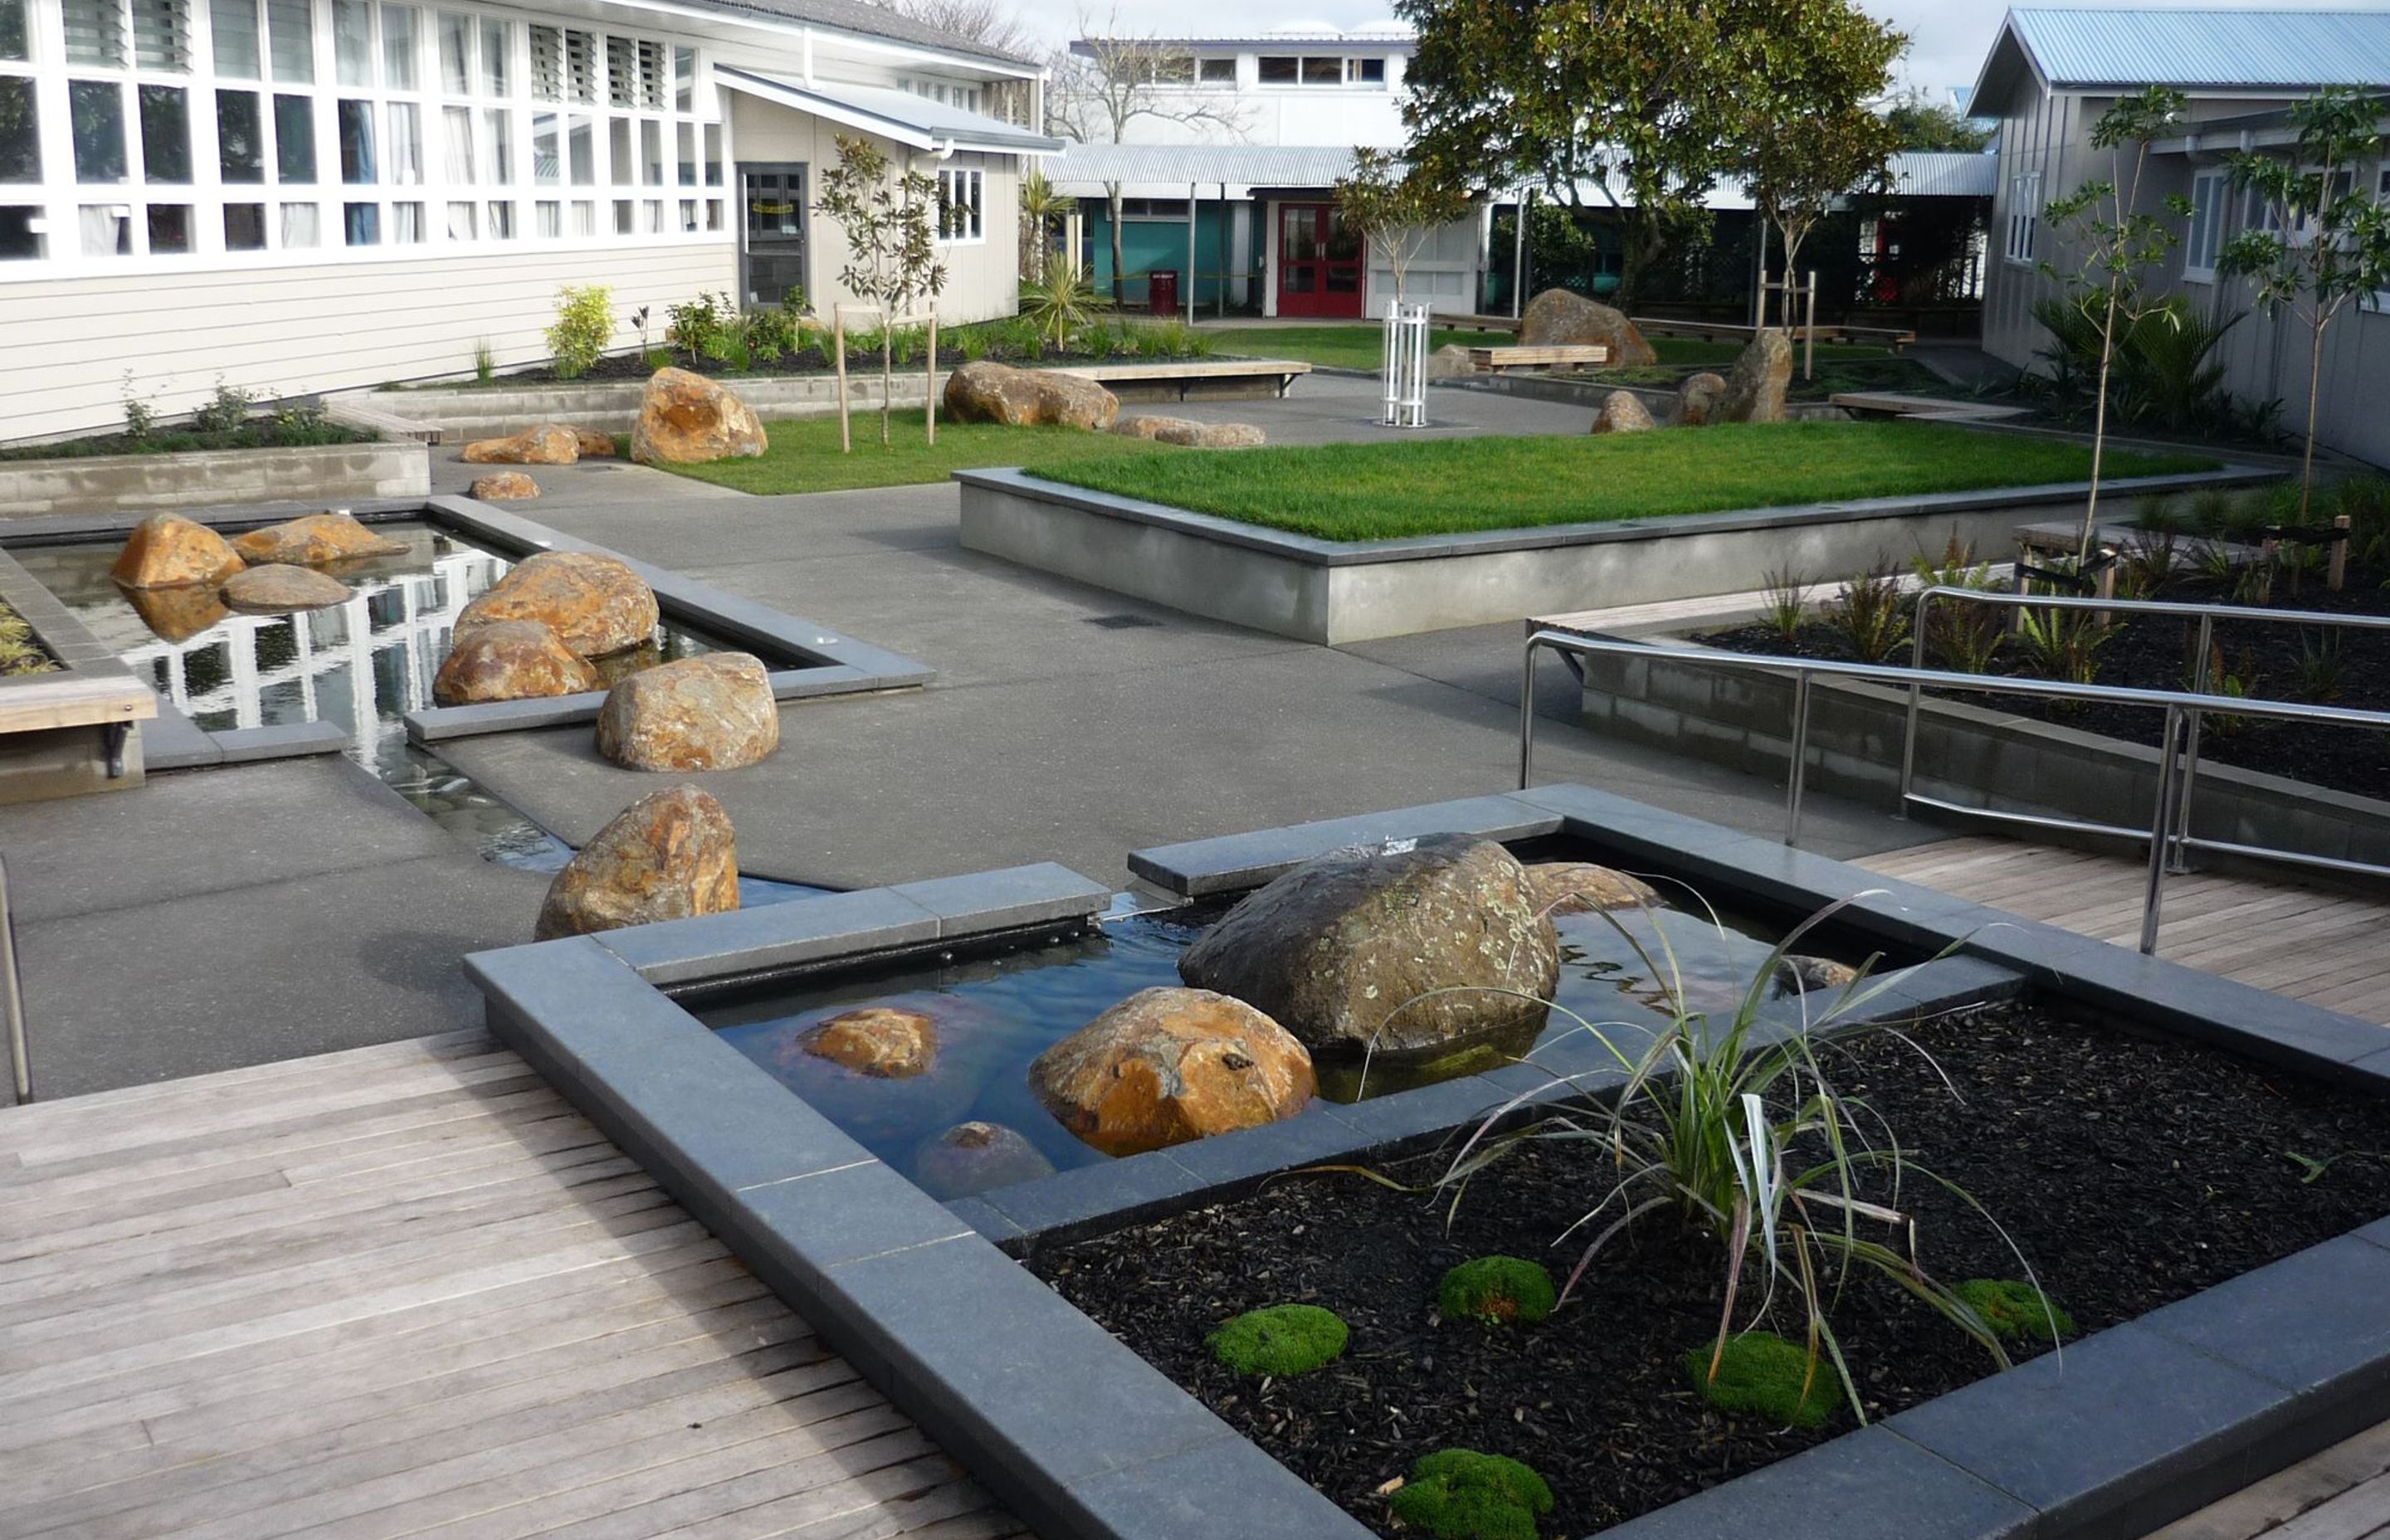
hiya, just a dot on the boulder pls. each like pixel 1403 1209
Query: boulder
pixel 278 588
pixel 669 855
pixel 1581 887
pixel 1347 949
pixel 881 1041
pixel 1212 435
pixel 509 660
pixel 1145 425
pixel 892 1112
pixel 1800 975
pixel 1557 316
pixel 713 711
pixel 976 1157
pixel 984 392
pixel 1698 398
pixel 318 540
pixel 1755 390
pixel 503 486
pixel 1623 412
pixel 549 444
pixel 687 420
pixel 1168 1065
pixel 595 604
pixel 1450 362
pixel 178 614
pixel 167 550
pixel 596 443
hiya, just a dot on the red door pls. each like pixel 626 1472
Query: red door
pixel 1320 265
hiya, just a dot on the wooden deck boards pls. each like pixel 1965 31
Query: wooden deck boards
pixel 407 1291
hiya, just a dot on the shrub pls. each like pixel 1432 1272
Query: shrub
pixel 698 326
pixel 1960 635
pixel 1055 305
pixel 1280 1339
pixel 1870 615
pixel 584 324
pixel 1760 1373
pixel 486 365
pixel 772 333
pixel 1461 1495
pixel 1782 605
pixel 2014 1309
pixel 1496 1289
pixel 224 411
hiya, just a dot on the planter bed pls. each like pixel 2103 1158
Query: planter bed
pixel 77 723
pixel 331 473
pixel 2138 1422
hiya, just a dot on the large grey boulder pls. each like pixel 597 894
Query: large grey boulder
pixel 1557 316
pixel 1755 390
pixel 1698 398
pixel 1428 942
pixel 1623 412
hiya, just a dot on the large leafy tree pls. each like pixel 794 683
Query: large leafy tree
pixel 1807 132
pixel 1920 123
pixel 2325 241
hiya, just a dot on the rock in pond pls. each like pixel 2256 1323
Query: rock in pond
pixel 984 392
pixel 318 540
pixel 1754 392
pixel 1699 397
pixel 669 855
pixel 976 1157
pixel 595 604
pixel 278 589
pixel 509 660
pixel 1623 412
pixel 1168 1065
pixel 549 444
pixel 178 614
pixel 686 418
pixel 884 1041
pixel 1412 947
pixel 167 550
pixel 1581 887
pixel 1801 975
pixel 713 711
pixel 503 486
pixel 1557 316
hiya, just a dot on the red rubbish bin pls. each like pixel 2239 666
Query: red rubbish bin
pixel 1161 291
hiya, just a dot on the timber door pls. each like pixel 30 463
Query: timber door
pixel 771 234
pixel 1321 265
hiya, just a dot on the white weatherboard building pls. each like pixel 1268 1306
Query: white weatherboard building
pixel 2050 76
pixel 301 195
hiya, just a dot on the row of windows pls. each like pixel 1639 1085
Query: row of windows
pixel 2210 206
pixel 1276 69
pixel 172 229
pixel 958 207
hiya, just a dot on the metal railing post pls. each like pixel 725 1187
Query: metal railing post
pixel 2200 677
pixel 1800 757
pixel 1527 710
pixel 2160 831
pixel 12 999
pixel 1915 701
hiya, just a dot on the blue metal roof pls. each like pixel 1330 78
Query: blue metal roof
pixel 2222 50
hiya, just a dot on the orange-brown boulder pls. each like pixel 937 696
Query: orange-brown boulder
pixel 595 604
pixel 549 444
pixel 167 550
pixel 509 660
pixel 669 855
pixel 712 711
pixel 503 486
pixel 1581 887
pixel 687 420
pixel 596 443
pixel 975 1157
pixel 278 588
pixel 881 1041
pixel 1168 1065
pixel 178 614
pixel 1699 399
pixel 984 392
pixel 317 540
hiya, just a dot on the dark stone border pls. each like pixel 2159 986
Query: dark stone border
pixel 116 736
pixel 2125 1429
pixel 815 661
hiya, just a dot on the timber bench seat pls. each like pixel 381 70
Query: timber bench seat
pixel 1554 355
pixel 1729 331
pixel 1213 378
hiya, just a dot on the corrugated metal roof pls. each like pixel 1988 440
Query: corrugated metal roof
pixel 857 16
pixel 899 115
pixel 1945 173
pixel 1083 170
pixel 2223 50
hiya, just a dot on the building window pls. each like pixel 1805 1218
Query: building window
pixel 291 40
pixel 1217 71
pixel 18 239
pixel 240 138
pixel 165 134
pixel 1364 71
pixel 20 139
pixel 958 207
pixel 2025 215
pixel 2206 234
pixel 94 32
pixel 16 42
pixel 232 24
pixel 1280 70
pixel 96 118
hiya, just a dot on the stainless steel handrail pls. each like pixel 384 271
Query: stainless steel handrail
pixel 12 998
pixel 2208 615
pixel 2177 705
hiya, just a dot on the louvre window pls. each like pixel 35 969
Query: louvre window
pixel 233 26
pixel 94 32
pixel 546 64
pixel 655 75
pixel 161 35
pixel 291 40
pixel 622 72
pixel 684 79
pixel 398 47
pixel 497 58
pixel 353 42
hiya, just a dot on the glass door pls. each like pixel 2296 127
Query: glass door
pixel 772 232
pixel 1320 266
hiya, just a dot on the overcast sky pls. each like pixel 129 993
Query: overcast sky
pixel 1948 37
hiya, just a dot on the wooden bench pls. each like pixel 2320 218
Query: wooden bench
pixel 1551 357
pixel 1475 323
pixel 1212 378
pixel 1725 331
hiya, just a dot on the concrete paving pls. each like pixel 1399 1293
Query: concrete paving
pixel 229 916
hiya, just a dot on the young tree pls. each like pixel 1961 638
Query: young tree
pixel 1040 206
pixel 891 258
pixel 1807 132
pixel 1107 82
pixel 1397 208
pixel 2118 245
pixel 2323 242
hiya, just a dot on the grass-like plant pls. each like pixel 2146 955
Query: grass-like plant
pixel 1057 305
pixel 2063 644
pixel 1959 635
pixel 1871 614
pixel 1783 603
pixel 2147 564
pixel 2322 664
pixel 1747 1138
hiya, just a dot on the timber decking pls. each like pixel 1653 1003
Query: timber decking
pixel 408 1290
pixel 2311 943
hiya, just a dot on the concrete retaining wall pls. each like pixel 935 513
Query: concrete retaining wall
pixel 612 406
pixel 1335 592
pixel 332 474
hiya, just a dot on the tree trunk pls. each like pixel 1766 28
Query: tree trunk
pixel 2099 429
pixel 1112 212
pixel 1634 253
pixel 2315 403
pixel 887 370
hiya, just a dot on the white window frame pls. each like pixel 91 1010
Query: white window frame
pixel 2205 238
pixel 962 206
pixel 505 217
pixel 2024 218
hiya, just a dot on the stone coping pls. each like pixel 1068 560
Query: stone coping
pixel 2123 1431
pixel 336 472
pixel 1313 551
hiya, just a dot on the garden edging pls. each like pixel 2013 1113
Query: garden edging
pixel 316 474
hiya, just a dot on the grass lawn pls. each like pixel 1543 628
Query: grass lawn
pixel 804 455
pixel 1431 486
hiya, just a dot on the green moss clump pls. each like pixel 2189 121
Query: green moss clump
pixel 1493 1291
pixel 1762 1373
pixel 1461 1495
pixel 2015 1310
pixel 1280 1339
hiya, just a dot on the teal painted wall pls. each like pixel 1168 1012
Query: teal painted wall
pixel 1147 244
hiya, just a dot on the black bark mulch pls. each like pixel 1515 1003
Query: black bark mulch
pixel 2129 1173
